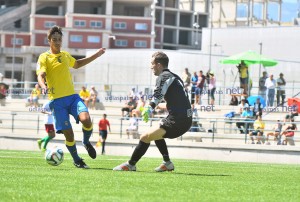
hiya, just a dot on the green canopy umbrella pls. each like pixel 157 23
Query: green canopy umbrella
pixel 249 57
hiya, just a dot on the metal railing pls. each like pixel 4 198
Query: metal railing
pixel 210 128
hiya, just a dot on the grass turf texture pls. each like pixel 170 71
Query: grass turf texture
pixel 25 176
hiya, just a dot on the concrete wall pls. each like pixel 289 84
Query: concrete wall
pixel 279 43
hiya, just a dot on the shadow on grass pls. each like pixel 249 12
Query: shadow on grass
pixel 173 173
pixel 199 174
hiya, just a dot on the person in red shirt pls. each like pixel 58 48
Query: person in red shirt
pixel 103 124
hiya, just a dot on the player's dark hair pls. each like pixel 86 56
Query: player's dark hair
pixel 53 30
pixel 162 58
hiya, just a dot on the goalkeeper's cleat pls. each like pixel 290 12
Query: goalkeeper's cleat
pixel 165 166
pixel 81 164
pixel 39 143
pixel 91 151
pixel 98 144
pixel 44 149
pixel 125 167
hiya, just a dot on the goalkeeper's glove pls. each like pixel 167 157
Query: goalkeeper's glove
pixel 147 111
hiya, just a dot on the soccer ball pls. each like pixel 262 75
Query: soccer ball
pixel 54 156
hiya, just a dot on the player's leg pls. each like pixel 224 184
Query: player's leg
pixel 62 123
pixel 174 129
pixel 141 149
pixel 51 135
pixel 80 112
pixel 71 145
pixel 104 136
pixel 87 129
pixel 167 164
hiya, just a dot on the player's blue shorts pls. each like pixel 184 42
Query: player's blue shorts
pixel 62 107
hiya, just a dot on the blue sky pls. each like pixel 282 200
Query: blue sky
pixel 289 10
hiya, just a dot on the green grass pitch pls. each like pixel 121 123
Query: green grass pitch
pixel 25 176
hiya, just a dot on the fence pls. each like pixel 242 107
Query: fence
pixel 212 129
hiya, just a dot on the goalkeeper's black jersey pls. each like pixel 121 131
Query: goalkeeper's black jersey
pixel 170 87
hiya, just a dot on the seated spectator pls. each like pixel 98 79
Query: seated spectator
pixel 294 109
pixel 288 132
pixel 257 108
pixel 34 96
pixel 140 106
pixel 277 130
pixel 258 131
pixel 242 106
pixel 234 101
pixel 244 97
pixel 129 106
pixel 93 97
pixel 3 92
pixel 133 126
pixel 85 95
pixel 247 115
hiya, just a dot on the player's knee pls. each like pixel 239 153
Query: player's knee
pixel 145 138
pixel 85 119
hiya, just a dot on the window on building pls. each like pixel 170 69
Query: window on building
pixel 140 44
pixel 49 24
pixel 242 10
pixel 76 38
pixel 96 24
pixel 141 26
pixel 79 23
pixel 17 41
pixel 120 25
pixel 93 39
pixel 121 43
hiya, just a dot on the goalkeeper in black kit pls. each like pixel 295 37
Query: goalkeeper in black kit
pixel 169 87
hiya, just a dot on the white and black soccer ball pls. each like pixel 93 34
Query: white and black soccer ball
pixel 54 156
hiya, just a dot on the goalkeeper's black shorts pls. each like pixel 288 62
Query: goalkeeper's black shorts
pixel 175 127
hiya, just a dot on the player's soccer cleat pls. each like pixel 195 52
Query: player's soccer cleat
pixel 43 149
pixel 98 144
pixel 165 166
pixel 81 164
pixel 39 143
pixel 125 167
pixel 90 149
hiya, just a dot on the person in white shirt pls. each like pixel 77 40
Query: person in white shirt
pixel 133 126
pixel 49 127
pixel 242 105
pixel 280 89
pixel 271 85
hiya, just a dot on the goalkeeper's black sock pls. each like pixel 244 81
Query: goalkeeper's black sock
pixel 138 152
pixel 162 147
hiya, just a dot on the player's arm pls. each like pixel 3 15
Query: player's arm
pixel 84 61
pixel 160 90
pixel 45 111
pixel 42 81
pixel 109 126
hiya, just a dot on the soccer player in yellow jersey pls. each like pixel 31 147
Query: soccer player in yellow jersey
pixel 53 67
